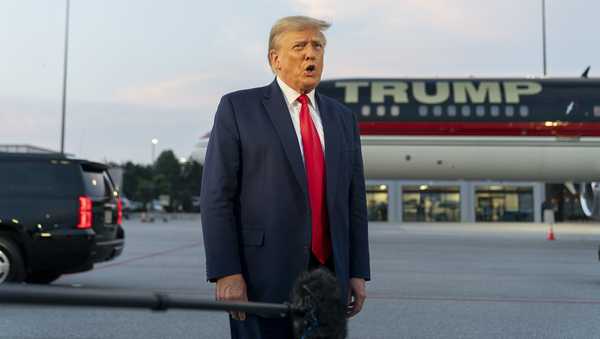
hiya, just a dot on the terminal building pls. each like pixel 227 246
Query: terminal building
pixel 467 201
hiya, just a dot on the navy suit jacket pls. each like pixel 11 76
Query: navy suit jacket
pixel 254 200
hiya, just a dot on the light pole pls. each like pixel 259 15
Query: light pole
pixel 154 143
pixel 544 34
pixel 64 94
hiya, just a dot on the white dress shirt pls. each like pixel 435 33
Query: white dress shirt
pixel 291 99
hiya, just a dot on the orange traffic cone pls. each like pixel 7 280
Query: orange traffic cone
pixel 550 235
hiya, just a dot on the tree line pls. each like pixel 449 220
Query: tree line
pixel 168 177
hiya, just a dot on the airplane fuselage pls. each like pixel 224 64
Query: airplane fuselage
pixel 496 129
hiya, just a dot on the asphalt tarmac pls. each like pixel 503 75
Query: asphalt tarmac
pixel 429 281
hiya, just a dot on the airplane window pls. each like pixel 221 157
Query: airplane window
pixel 495 111
pixel 466 111
pixel 395 110
pixel 597 111
pixel 437 110
pixel 366 110
pixel 380 110
pixel 451 111
pixel 524 110
pixel 480 110
pixel 423 111
pixel 509 111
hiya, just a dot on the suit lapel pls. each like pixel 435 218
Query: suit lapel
pixel 279 113
pixel 333 151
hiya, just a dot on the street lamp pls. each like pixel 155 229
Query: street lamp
pixel 544 36
pixel 154 143
pixel 64 93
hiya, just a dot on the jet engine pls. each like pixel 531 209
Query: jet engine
pixel 589 197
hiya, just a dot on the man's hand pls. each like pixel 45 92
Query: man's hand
pixel 232 287
pixel 356 296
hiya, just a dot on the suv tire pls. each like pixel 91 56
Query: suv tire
pixel 42 277
pixel 12 266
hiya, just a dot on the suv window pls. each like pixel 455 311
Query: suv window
pixel 27 178
pixel 94 184
pixel 97 183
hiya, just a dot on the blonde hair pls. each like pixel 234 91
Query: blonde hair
pixel 294 24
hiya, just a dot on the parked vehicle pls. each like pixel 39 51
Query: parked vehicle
pixel 131 206
pixel 57 215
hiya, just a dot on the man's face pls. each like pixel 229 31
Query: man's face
pixel 298 59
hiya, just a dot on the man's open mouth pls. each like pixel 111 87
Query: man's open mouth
pixel 310 68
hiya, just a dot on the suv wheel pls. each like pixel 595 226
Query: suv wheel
pixel 42 277
pixel 12 266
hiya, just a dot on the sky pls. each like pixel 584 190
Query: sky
pixel 144 69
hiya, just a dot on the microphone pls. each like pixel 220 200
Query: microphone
pixel 315 309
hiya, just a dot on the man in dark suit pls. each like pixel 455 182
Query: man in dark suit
pixel 283 188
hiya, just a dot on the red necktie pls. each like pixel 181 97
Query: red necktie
pixel 314 163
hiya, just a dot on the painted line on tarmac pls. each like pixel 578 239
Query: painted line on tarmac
pixel 150 255
pixel 489 300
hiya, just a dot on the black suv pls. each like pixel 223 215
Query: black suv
pixel 57 215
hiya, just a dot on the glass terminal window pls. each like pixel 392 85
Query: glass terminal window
pixel 430 203
pixel 504 203
pixel 377 202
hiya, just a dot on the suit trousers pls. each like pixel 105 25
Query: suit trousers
pixel 255 327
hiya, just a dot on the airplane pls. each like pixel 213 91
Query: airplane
pixel 534 129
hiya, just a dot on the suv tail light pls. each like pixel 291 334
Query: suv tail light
pixel 85 212
pixel 119 211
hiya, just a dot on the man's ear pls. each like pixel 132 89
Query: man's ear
pixel 274 58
